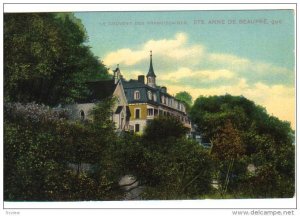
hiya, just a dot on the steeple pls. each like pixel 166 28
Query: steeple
pixel 151 75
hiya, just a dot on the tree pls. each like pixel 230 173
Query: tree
pixel 41 146
pixel 186 98
pixel 164 126
pixel 226 149
pixel 166 163
pixel 261 140
pixel 45 59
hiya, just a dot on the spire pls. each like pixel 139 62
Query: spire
pixel 151 71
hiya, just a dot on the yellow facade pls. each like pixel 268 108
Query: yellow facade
pixel 143 111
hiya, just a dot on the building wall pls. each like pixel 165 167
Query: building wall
pixel 120 96
pixel 120 101
pixel 142 124
pixel 75 110
pixel 142 121
pixel 143 111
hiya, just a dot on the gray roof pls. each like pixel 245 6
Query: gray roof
pixel 133 85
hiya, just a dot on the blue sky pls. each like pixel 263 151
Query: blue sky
pixel 251 59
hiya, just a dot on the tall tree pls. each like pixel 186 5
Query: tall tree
pixel 264 140
pixel 185 97
pixel 45 59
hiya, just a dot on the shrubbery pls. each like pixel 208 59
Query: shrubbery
pixel 41 144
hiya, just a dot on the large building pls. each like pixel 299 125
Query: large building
pixel 147 100
pixel 137 101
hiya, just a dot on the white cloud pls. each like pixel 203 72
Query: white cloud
pixel 279 100
pixel 229 60
pixel 175 49
pixel 124 56
pixel 203 75
pixel 247 77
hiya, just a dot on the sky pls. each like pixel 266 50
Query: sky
pixel 249 53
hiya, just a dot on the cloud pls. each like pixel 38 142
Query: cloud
pixel 183 66
pixel 279 100
pixel 175 49
pixel 252 70
pixel 124 56
pixel 199 75
pixel 229 60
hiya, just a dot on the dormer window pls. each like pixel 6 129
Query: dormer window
pixel 137 95
pixel 149 95
pixel 154 97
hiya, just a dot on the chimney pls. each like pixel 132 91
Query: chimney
pixel 164 89
pixel 141 79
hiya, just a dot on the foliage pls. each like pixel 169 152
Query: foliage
pixel 165 162
pixel 243 133
pixel 45 59
pixel 186 98
pixel 164 126
pixel 41 149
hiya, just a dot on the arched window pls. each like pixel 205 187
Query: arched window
pixel 149 95
pixel 137 95
pixel 82 115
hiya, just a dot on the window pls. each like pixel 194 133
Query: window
pixel 155 112
pixel 149 95
pixel 82 115
pixel 154 97
pixel 137 128
pixel 137 95
pixel 150 112
pixel 137 113
pixel 149 79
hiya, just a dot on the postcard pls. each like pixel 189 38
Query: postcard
pixel 152 106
